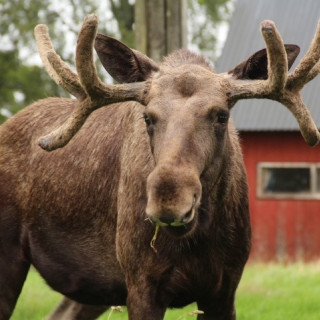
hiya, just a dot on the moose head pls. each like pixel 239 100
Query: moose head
pixel 187 106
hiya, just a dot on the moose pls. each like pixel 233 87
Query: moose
pixel 138 194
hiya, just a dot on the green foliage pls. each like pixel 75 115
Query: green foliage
pixel 18 18
pixel 22 81
pixel 216 9
pixel 124 13
pixel 22 84
pixel 206 16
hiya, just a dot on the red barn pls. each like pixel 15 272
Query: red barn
pixel 283 171
pixel 284 180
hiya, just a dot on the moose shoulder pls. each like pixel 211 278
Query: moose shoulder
pixel 160 161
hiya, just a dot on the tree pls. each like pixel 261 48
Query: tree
pixel 123 11
pixel 160 26
pixel 21 84
pixel 205 17
pixel 22 80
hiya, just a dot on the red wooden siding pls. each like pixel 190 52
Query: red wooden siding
pixel 283 229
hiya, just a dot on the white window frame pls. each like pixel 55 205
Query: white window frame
pixel 314 194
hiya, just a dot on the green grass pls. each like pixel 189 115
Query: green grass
pixel 266 292
pixel 278 292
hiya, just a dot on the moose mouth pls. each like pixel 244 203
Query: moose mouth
pixel 181 230
pixel 175 227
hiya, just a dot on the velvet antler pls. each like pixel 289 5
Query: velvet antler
pixel 86 86
pixel 280 86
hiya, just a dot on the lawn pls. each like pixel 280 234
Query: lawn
pixel 266 292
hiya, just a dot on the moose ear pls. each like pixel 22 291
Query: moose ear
pixel 125 65
pixel 256 67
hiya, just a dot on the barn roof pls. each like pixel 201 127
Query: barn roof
pixel 296 20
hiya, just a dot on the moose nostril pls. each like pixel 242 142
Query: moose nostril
pixel 188 216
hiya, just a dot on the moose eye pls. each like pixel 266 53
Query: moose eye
pixel 150 124
pixel 223 117
pixel 147 120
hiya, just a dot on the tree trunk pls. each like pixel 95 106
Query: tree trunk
pixel 160 26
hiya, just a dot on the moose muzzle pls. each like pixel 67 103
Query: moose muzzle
pixel 174 195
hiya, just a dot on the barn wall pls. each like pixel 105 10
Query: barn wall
pixel 283 229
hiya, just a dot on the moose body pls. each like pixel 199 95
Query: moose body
pixel 84 215
pixel 78 215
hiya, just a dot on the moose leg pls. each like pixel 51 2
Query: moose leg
pixel 219 305
pixel 13 272
pixel 218 308
pixel 142 303
pixel 72 310
pixel 13 263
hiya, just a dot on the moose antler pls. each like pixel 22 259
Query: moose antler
pixel 89 90
pixel 282 87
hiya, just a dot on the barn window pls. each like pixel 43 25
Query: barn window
pixel 318 179
pixel 289 180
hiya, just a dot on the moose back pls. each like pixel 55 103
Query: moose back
pixel 144 201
